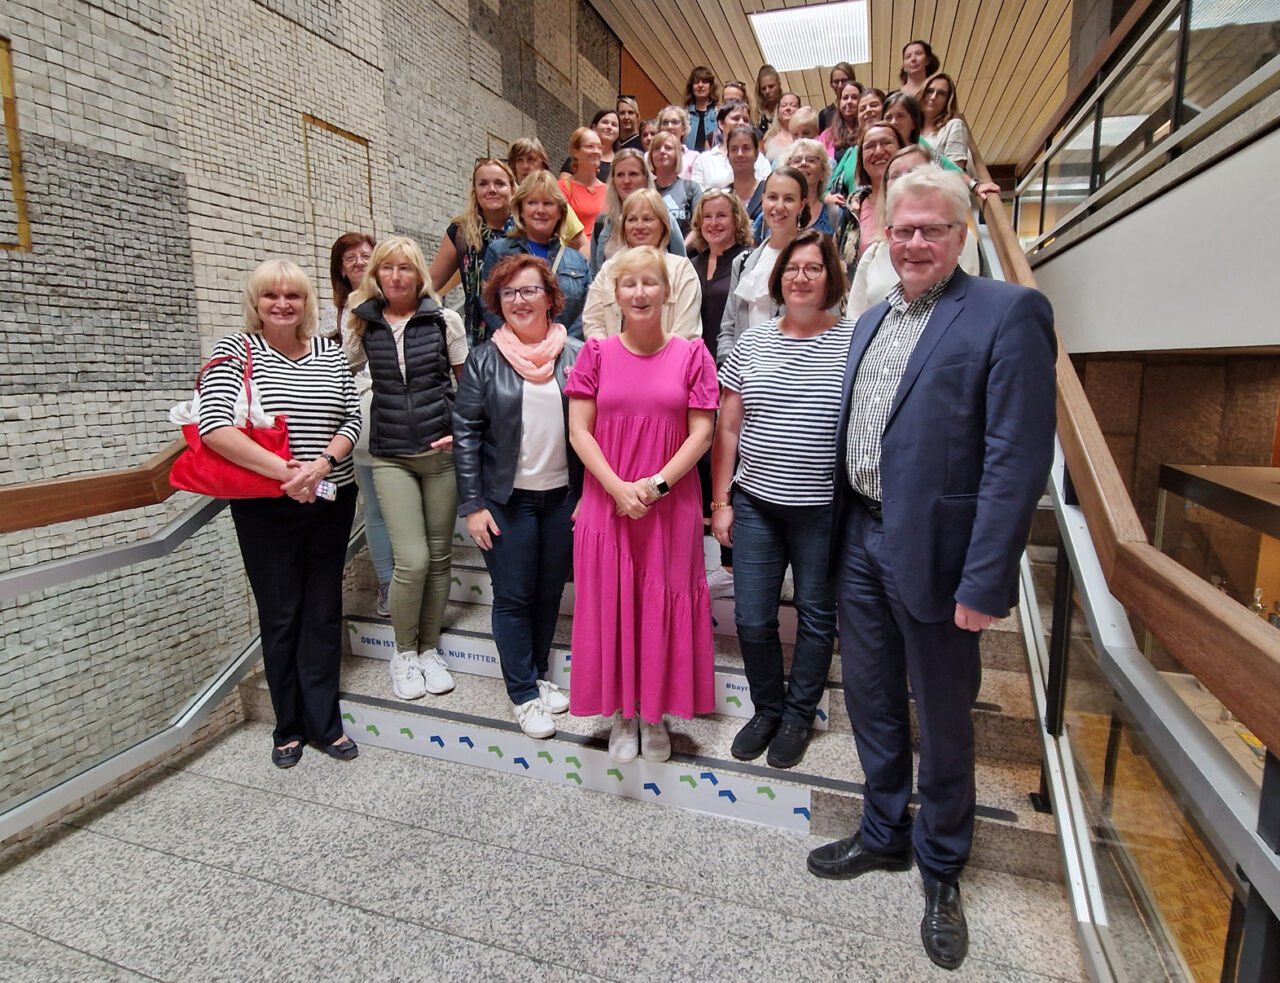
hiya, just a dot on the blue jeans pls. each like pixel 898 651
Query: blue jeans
pixel 766 537
pixel 375 526
pixel 528 565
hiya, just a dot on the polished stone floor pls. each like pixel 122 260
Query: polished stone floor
pixel 403 868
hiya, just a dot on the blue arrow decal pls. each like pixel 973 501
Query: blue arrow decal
pixel 709 777
pixel 728 794
pixel 437 739
pixel 802 811
pixel 521 761
pixel 467 741
pixel 652 787
pixel 821 714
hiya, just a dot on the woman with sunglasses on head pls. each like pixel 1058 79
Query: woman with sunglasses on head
pixel 641 408
pixel 518 478
pixel 785 211
pixel 773 480
pixel 486 217
pixel 700 94
pixel 645 222
pixel 628 174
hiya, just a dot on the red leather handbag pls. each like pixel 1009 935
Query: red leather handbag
pixel 202 470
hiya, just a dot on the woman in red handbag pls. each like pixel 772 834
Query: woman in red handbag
pixel 294 545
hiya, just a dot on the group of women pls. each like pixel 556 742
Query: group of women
pixel 569 415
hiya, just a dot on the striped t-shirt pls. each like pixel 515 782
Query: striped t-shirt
pixel 316 392
pixel 790 389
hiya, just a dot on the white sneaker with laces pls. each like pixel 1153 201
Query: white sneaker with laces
pixel 435 672
pixel 623 738
pixel 533 718
pixel 406 677
pixel 655 742
pixel 552 697
pixel 719 583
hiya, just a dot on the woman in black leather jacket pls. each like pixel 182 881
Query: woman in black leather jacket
pixel 518 478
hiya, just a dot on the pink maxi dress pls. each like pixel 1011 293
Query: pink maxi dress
pixel 641 614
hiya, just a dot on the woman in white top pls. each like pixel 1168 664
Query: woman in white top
pixel 785 211
pixel 712 169
pixel 410 344
pixel 944 128
pixel 645 222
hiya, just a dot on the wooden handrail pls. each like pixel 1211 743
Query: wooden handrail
pixel 1065 108
pixel 41 503
pixel 1229 649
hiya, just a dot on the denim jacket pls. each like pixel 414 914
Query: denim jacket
pixel 573 275
pixel 709 115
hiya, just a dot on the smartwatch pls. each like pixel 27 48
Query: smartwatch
pixel 659 485
pixel 333 461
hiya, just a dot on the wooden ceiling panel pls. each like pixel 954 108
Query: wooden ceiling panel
pixel 1009 57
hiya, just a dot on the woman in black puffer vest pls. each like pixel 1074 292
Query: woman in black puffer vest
pixel 410 342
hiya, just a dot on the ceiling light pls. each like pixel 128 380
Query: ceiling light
pixel 796 38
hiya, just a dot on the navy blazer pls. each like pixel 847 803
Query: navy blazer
pixel 967 448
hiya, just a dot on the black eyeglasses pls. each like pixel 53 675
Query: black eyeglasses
pixel 811 271
pixel 932 233
pixel 526 293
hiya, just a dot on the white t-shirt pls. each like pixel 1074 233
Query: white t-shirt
pixel 544 463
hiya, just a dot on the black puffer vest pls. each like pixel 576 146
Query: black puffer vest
pixel 412 411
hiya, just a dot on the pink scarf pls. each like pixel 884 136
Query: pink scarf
pixel 535 363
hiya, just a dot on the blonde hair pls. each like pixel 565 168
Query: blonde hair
pixel 651 200
pixel 575 143
pixel 931 179
pixel 741 221
pixel 383 252
pixel 539 182
pixel 471 219
pixel 775 126
pixel 803 116
pixel 613 201
pixel 267 275
pixel 664 136
pixel 814 149
pixel 639 258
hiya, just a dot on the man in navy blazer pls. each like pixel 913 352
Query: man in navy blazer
pixel 944 447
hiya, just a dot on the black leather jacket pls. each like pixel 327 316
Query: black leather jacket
pixel 487 426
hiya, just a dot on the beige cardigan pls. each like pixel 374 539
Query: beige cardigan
pixel 681 314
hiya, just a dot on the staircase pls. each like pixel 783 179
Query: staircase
pixel 473 725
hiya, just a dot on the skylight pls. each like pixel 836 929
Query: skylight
pixel 796 38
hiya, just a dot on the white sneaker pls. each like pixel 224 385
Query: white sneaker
pixel 406 677
pixel 533 718
pixel 719 583
pixel 435 672
pixel 655 742
pixel 552 697
pixel 623 738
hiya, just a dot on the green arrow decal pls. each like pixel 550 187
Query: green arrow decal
pixel 372 729
pixel 476 588
pixel 347 716
pixel 766 790
pixel 546 754
pixel 573 761
pixel 456 580
pixel 494 749
pixel 734 700
pixel 574 775
pixel 615 773
pixel 693 782
pixel 406 730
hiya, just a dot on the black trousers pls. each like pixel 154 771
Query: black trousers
pixel 294 555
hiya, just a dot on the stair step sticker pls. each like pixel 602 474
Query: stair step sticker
pixel 668 783
pixel 478 656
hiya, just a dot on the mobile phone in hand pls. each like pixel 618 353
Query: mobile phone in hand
pixel 326 490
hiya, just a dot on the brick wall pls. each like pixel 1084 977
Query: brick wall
pixel 167 148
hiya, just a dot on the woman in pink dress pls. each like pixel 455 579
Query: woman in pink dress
pixel 641 410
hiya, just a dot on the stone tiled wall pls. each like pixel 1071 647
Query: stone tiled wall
pixel 168 147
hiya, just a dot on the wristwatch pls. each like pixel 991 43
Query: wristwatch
pixel 333 461
pixel 659 485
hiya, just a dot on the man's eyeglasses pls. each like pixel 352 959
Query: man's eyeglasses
pixel 811 271
pixel 931 233
pixel 526 293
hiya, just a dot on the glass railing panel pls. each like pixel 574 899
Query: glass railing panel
pixel 95 666
pixel 1167 902
pixel 1029 209
pixel 1136 108
pixel 1068 173
pixel 1228 41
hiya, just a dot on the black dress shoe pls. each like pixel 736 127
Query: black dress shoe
pixel 287 757
pixel 943 930
pixel 754 737
pixel 848 858
pixel 344 750
pixel 788 745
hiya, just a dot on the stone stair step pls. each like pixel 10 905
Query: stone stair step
pixel 473 724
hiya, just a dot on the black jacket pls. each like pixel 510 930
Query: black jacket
pixel 412 411
pixel 487 426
